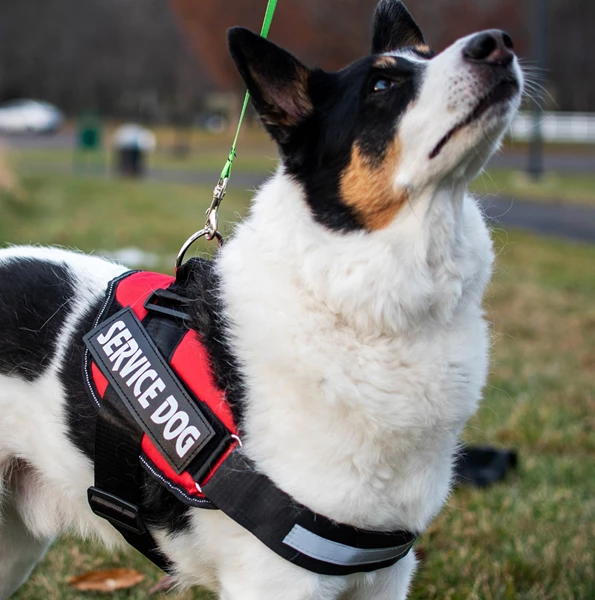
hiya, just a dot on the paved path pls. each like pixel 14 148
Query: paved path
pixel 557 220
pixel 566 163
pixel 63 140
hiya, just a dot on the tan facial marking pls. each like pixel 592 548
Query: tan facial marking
pixel 368 188
pixel 386 62
pixel 423 48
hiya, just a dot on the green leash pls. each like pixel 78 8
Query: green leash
pixel 266 27
pixel 211 228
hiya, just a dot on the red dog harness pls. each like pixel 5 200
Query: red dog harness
pixel 140 292
pixel 160 413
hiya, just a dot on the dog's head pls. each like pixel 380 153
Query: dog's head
pixel 366 140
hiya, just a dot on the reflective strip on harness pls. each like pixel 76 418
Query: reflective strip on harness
pixel 320 548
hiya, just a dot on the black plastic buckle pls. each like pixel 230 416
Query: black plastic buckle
pixel 117 511
pixel 208 464
pixel 152 304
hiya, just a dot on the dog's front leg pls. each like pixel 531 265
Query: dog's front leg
pixel 243 568
pixel 388 584
pixel 276 579
pixel 288 589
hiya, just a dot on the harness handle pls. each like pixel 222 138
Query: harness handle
pixel 211 228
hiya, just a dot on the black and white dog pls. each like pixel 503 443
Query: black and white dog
pixel 345 325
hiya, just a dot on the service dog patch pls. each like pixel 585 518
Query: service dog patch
pixel 150 390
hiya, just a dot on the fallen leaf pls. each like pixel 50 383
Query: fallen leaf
pixel 106 581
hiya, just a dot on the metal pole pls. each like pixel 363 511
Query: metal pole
pixel 539 55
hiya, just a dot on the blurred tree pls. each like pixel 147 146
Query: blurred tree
pixel 115 56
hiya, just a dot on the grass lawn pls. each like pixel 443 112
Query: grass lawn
pixel 257 158
pixel 529 538
pixel 95 214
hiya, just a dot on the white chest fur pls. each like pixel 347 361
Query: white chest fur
pixel 364 353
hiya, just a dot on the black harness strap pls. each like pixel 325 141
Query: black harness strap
pixel 116 495
pixel 295 532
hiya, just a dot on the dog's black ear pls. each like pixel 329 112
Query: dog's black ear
pixel 278 82
pixel 394 28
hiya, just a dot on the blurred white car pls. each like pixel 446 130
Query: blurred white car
pixel 20 116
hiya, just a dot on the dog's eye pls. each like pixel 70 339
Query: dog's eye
pixel 382 84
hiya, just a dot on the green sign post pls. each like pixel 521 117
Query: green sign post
pixel 88 152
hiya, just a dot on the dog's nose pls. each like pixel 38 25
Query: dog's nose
pixel 492 47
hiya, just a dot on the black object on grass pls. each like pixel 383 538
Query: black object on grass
pixel 483 466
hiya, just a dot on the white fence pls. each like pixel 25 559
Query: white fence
pixel 578 128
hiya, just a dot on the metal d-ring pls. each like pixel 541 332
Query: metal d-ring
pixel 191 240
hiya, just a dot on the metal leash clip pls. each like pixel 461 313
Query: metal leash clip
pixel 212 223
pixel 211 228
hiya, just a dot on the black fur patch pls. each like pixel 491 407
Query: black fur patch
pixel 348 112
pixel 81 414
pixel 202 285
pixel 35 297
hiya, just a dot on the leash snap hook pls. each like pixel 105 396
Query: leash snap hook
pixel 211 228
pixel 212 224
